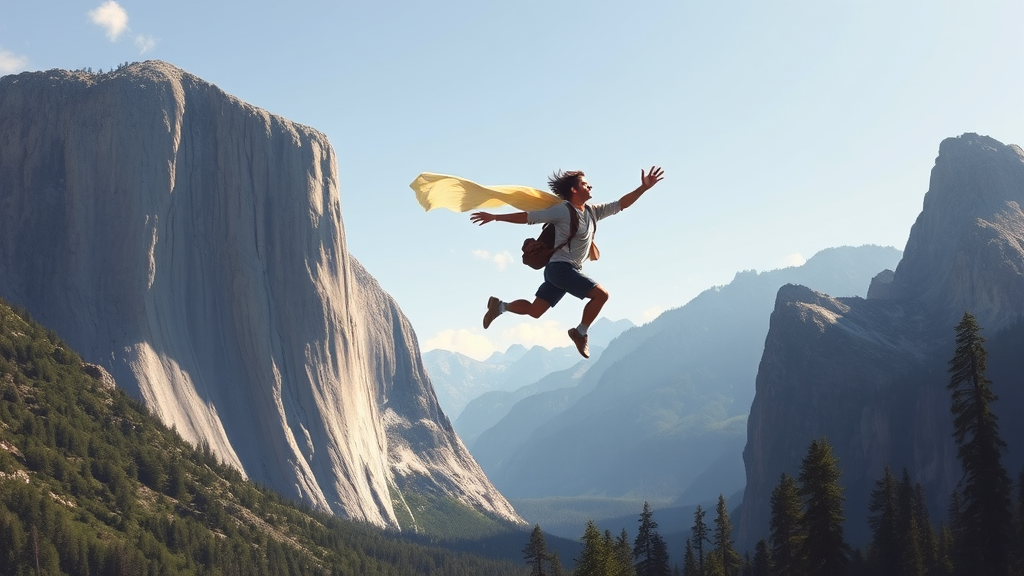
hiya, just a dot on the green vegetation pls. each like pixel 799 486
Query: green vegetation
pixel 91 483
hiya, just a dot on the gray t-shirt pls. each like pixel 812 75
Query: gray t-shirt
pixel 576 251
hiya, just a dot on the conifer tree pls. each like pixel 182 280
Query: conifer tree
pixel 536 553
pixel 621 562
pixel 690 567
pixel 650 552
pixel 883 553
pixel 593 560
pixel 700 537
pixel 908 531
pixel 825 552
pixel 985 513
pixel 929 543
pixel 762 563
pixel 727 556
pixel 786 536
pixel 556 563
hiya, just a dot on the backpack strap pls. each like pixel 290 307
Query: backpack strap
pixel 574 226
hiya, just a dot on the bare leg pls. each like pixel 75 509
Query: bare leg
pixel 526 308
pixel 598 296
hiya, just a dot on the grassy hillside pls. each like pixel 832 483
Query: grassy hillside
pixel 91 483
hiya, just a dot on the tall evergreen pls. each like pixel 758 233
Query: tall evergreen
pixel 690 567
pixel 622 555
pixel 985 489
pixel 727 555
pixel 536 553
pixel 700 537
pixel 786 537
pixel 883 552
pixel 908 530
pixel 929 543
pixel 762 564
pixel 594 557
pixel 825 552
pixel 643 546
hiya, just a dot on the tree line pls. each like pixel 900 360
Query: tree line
pixel 91 483
pixel 983 534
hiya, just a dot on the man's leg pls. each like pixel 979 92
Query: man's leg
pixel 596 299
pixel 496 307
pixel 526 308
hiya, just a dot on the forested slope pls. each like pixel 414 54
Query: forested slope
pixel 90 483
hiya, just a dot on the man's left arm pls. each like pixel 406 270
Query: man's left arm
pixel 647 181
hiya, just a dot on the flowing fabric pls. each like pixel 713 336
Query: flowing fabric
pixel 461 195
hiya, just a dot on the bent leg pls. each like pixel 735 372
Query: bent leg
pixel 597 297
pixel 526 308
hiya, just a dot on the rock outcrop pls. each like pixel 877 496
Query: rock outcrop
pixel 870 374
pixel 193 246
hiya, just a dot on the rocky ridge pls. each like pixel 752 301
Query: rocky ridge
pixel 870 374
pixel 192 245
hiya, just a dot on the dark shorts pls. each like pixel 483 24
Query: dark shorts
pixel 562 277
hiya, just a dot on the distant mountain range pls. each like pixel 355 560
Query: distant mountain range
pixel 459 379
pixel 661 415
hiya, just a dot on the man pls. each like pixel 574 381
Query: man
pixel 563 273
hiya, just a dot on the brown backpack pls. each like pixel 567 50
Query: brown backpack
pixel 537 251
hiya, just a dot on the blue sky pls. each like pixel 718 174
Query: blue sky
pixel 783 127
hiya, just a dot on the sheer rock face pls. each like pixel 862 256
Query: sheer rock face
pixel 870 374
pixel 193 246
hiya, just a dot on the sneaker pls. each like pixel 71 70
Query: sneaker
pixel 492 311
pixel 581 342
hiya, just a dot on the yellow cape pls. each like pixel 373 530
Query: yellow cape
pixel 461 195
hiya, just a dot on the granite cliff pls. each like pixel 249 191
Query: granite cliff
pixel 193 246
pixel 870 374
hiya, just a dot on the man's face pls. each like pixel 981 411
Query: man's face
pixel 582 188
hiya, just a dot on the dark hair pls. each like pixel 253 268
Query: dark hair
pixel 561 183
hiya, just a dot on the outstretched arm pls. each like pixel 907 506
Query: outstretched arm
pixel 482 218
pixel 647 181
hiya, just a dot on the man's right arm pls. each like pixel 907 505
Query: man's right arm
pixel 482 218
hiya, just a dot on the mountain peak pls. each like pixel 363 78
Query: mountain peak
pixel 966 249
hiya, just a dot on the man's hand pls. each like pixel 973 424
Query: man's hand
pixel 481 218
pixel 648 180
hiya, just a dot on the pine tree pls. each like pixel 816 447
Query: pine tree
pixel 649 550
pixel 908 533
pixel 883 555
pixel 727 556
pixel 985 515
pixel 593 560
pixel 690 567
pixel 536 552
pixel 621 563
pixel 762 564
pixel 700 537
pixel 556 564
pixel 825 552
pixel 929 543
pixel 786 536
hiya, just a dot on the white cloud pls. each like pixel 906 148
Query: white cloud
pixel 501 260
pixel 547 333
pixel 795 259
pixel 652 313
pixel 11 62
pixel 145 43
pixel 111 17
pixel 463 341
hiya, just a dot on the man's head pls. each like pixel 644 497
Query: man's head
pixel 562 183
